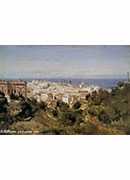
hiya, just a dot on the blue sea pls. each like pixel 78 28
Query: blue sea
pixel 103 83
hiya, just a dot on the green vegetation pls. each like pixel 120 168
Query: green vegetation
pixel 3 108
pixel 101 113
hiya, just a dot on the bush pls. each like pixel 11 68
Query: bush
pixel 3 103
pixel 77 105
pixel 71 117
pixel 43 105
pixel 14 97
pixel 55 113
pixel 62 106
pixel 120 84
pixel 93 110
pixel 104 117
pixel 26 110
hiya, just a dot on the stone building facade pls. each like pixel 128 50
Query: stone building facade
pixel 17 87
pixel 4 87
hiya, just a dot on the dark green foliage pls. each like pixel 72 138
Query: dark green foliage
pixel 62 106
pixel 28 109
pixel 55 112
pixel 92 110
pixel 120 84
pixel 97 98
pixel 88 97
pixel 3 108
pixel 104 117
pixel 14 96
pixel 77 105
pixel 71 117
pixel 112 107
pixel 43 106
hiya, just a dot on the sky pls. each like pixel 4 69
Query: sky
pixel 64 61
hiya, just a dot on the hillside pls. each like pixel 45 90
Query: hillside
pixel 101 113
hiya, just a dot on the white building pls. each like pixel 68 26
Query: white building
pixel 65 98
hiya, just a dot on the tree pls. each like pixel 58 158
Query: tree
pixel 77 105
pixel 62 105
pixel 120 84
pixel 104 117
pixel 43 106
pixel 3 107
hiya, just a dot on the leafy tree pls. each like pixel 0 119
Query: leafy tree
pixel 62 106
pixel 104 117
pixel 120 84
pixel 77 105
pixel 43 106
pixel 3 107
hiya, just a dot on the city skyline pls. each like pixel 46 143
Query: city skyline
pixel 64 61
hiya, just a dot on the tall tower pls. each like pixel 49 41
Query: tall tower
pixel 128 76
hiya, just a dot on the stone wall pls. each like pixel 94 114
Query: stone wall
pixel 13 87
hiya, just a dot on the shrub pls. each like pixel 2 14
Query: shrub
pixel 120 84
pixel 77 105
pixel 43 105
pixel 104 117
pixel 55 112
pixel 62 106
pixel 71 117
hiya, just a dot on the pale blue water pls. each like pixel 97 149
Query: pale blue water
pixel 104 83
